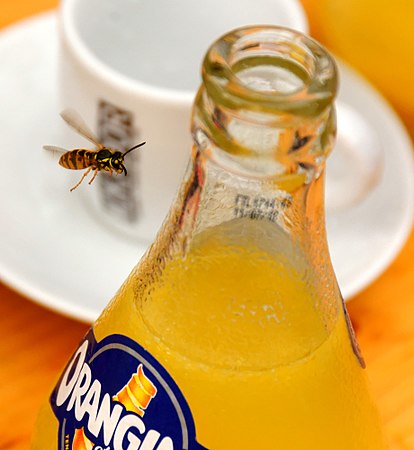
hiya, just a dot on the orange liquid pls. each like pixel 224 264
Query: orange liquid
pixel 242 334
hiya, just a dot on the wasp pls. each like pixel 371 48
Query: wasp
pixel 103 158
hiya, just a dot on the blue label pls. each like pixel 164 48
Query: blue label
pixel 113 395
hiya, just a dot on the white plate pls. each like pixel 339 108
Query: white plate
pixel 53 251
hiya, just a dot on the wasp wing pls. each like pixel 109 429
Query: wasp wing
pixel 54 149
pixel 75 121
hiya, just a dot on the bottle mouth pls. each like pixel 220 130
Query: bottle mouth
pixel 270 69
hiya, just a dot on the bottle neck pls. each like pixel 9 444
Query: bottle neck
pixel 263 125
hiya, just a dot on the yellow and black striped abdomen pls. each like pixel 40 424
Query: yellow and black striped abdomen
pixel 79 158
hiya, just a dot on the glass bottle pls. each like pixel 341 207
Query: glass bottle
pixel 231 331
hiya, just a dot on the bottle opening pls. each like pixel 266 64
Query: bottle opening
pixel 270 69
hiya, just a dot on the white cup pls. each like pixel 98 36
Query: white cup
pixel 131 69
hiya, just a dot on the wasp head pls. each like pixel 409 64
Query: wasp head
pixel 110 159
pixel 117 162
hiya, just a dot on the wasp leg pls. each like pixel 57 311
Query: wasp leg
pixel 80 181
pixel 108 169
pixel 94 175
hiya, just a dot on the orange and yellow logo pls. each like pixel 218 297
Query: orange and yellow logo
pixel 135 396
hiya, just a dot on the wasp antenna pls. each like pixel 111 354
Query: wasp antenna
pixel 133 148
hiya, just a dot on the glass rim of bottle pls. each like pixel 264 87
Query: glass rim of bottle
pixel 271 48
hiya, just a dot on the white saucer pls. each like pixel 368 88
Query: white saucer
pixel 54 252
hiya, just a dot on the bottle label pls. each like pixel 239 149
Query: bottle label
pixel 114 395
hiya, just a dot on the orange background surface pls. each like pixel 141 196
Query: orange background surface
pixel 35 343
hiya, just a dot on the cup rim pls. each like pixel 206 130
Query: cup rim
pixel 129 85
